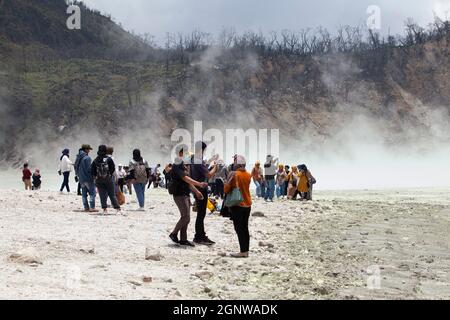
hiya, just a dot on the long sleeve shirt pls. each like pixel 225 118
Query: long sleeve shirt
pixel 65 165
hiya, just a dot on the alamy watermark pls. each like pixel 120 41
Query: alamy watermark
pixel 253 144
pixel 374 18
pixel 74 20
pixel 373 277
pixel 73 277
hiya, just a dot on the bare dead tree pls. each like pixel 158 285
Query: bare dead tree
pixel 226 38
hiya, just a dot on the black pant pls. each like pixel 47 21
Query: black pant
pixel 65 183
pixel 219 188
pixel 105 190
pixel 167 181
pixel 201 214
pixel 240 217
pixel 79 189
pixel 121 183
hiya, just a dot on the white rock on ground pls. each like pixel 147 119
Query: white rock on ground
pixel 26 256
pixel 318 255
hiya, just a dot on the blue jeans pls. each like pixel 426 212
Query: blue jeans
pixel 65 183
pixel 280 190
pixel 88 188
pixel 258 188
pixel 263 189
pixel 270 192
pixel 140 193
pixel 116 186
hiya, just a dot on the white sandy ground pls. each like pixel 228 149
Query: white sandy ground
pixel 324 249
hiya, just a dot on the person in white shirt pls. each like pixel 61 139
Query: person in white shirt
pixel 65 167
pixel 120 172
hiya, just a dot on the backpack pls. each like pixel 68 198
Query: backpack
pixel 140 172
pixel 103 173
pixel 172 184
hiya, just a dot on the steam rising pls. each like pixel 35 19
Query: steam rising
pixel 352 146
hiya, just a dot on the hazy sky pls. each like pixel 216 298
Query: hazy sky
pixel 158 17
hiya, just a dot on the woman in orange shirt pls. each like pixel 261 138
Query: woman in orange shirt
pixel 240 214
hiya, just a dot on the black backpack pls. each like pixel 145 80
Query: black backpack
pixel 103 174
pixel 172 185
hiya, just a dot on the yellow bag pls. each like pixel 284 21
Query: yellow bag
pixel 211 207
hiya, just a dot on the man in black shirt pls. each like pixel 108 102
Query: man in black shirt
pixel 200 172
pixel 182 185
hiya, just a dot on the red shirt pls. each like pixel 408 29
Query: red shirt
pixel 26 174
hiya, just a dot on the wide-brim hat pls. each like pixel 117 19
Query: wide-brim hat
pixel 86 147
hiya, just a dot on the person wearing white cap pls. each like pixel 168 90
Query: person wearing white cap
pixel 240 213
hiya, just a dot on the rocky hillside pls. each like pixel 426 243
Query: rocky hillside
pixel 101 83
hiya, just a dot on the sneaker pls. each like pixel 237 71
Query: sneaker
pixel 208 240
pixel 92 210
pixel 141 209
pixel 186 243
pixel 120 213
pixel 204 241
pixel 239 255
pixel 174 238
